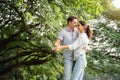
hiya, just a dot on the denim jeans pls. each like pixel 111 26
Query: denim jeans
pixel 68 67
pixel 80 64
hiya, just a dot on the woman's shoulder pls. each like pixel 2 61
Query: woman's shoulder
pixel 82 34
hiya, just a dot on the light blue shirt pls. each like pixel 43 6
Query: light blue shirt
pixel 67 38
pixel 77 46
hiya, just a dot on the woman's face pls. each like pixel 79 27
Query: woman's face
pixel 80 27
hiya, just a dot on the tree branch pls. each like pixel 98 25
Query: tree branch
pixel 21 64
pixel 15 8
pixel 25 53
pixel 6 22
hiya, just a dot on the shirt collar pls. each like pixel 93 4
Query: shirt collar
pixel 68 29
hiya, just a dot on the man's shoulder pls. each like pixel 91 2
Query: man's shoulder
pixel 64 29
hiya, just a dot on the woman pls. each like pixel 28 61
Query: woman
pixel 85 34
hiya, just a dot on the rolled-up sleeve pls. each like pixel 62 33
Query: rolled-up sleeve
pixel 60 35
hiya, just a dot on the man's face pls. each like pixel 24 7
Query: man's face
pixel 73 23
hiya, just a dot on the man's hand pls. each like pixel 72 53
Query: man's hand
pixel 57 48
pixel 56 45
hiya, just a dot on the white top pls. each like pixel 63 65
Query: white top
pixel 79 43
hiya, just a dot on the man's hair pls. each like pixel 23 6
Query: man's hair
pixel 71 18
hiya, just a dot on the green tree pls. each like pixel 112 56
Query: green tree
pixel 28 30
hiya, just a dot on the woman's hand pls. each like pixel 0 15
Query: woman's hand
pixel 58 48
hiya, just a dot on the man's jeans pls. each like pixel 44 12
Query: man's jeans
pixel 68 67
pixel 78 70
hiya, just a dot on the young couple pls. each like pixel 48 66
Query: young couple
pixel 74 41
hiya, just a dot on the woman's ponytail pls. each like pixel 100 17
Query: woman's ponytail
pixel 89 32
pixel 87 29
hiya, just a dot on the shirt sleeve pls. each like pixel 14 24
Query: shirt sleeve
pixel 60 35
pixel 77 43
pixel 85 41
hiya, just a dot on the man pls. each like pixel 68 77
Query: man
pixel 67 36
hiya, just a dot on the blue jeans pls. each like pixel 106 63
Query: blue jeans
pixel 80 64
pixel 68 67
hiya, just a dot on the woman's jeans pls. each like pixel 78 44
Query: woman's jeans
pixel 80 64
pixel 68 67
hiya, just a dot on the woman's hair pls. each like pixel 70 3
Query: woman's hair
pixel 87 29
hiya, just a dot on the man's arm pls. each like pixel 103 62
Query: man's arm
pixel 56 44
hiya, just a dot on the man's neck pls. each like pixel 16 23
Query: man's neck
pixel 71 28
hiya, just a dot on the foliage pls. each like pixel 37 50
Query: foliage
pixel 104 57
pixel 28 29
pixel 110 11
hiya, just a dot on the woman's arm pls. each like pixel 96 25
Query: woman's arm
pixel 76 44
pixel 73 46
pixel 64 47
pixel 61 47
